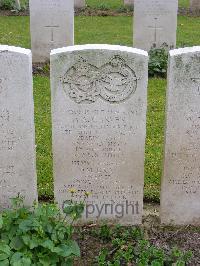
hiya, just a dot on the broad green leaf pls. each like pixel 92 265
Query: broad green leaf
pixel 18 260
pixel 5 251
pixel 3 256
pixel 75 248
pixel 66 250
pixel 4 263
pixel 49 259
pixel 48 244
pixel 17 243
pixel 25 226
pixel 16 257
pixel 31 242
pixel 22 262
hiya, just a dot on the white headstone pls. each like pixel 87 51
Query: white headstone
pixel 180 197
pixel 17 133
pixel 155 24
pixel 52 26
pixel 99 100
pixel 129 2
pixel 195 5
pixel 79 3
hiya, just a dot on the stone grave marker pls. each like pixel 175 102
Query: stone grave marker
pixel 180 196
pixel 52 26
pixel 17 134
pixel 79 3
pixel 195 5
pixel 155 24
pixel 129 2
pixel 99 101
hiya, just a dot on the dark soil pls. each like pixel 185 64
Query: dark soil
pixel 185 238
pixel 14 13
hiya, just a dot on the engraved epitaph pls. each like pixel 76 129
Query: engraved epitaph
pixel 181 179
pixel 155 24
pixel 17 137
pixel 99 119
pixel 52 26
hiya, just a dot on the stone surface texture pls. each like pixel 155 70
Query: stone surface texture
pixel 195 5
pixel 79 3
pixel 99 101
pixel 155 24
pixel 129 2
pixel 51 25
pixel 17 134
pixel 180 196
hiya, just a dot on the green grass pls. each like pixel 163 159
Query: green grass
pixel 112 30
pixel 112 4
pixel 155 137
pixel 42 101
pixel 184 3
pixel 116 4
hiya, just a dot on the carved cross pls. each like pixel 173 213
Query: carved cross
pixel 155 28
pixel 52 27
pixel 197 81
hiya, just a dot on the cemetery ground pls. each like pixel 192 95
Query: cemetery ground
pixel 112 30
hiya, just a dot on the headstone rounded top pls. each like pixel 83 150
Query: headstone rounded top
pixel 99 101
pixel 15 49
pixel 99 47
pixel 184 50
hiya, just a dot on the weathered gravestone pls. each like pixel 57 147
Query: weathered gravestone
pixel 79 3
pixel 195 5
pixel 129 2
pixel 17 134
pixel 155 24
pixel 180 197
pixel 99 95
pixel 52 26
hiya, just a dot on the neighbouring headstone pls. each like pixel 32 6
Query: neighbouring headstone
pixel 129 2
pixel 52 26
pixel 17 133
pixel 180 195
pixel 155 24
pixel 18 4
pixel 195 5
pixel 79 3
pixel 99 101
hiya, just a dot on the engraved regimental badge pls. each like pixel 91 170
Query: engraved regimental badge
pixel 114 81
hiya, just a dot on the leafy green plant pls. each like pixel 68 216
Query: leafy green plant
pixel 130 247
pixel 158 59
pixel 39 235
pixel 104 233
pixel 11 5
pixel 7 4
